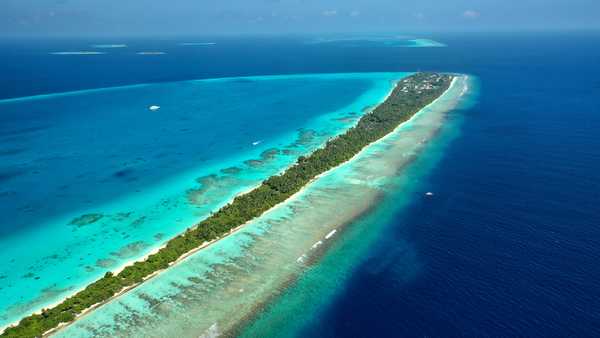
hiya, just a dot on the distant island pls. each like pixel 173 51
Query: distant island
pixel 115 45
pixel 151 53
pixel 408 97
pixel 83 52
pixel 197 43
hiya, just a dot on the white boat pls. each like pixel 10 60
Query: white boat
pixel 429 193
pixel 154 108
pixel 255 143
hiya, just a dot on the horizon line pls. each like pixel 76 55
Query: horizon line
pixel 300 34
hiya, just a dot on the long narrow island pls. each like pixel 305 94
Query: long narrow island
pixel 408 97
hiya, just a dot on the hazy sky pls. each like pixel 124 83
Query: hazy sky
pixel 168 17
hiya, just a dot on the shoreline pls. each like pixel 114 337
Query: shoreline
pixel 233 230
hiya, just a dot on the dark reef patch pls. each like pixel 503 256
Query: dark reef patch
pixel 211 186
pixel 86 219
pixel 195 280
pixel 253 163
pixel 162 155
pixel 289 152
pixel 28 275
pixel 208 180
pixel 348 119
pixel 231 170
pixel 106 263
pixel 139 221
pixel 269 154
pixel 122 216
pixel 305 137
pixel 126 174
pixel 149 299
pixel 130 249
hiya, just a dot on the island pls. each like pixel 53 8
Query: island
pixel 151 53
pixel 408 97
pixel 83 52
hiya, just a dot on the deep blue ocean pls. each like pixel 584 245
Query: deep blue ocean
pixel 510 242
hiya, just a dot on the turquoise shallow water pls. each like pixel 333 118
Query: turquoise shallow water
pixel 94 179
pixel 217 290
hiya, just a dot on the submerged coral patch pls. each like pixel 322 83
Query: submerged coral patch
pixel 253 163
pixel 126 174
pixel 345 119
pixel 269 154
pixel 130 250
pixel 231 170
pixel 120 216
pixel 86 219
pixel 305 137
pixel 106 263
pixel 211 187
pixel 138 221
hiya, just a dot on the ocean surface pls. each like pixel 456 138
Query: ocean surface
pixel 505 246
